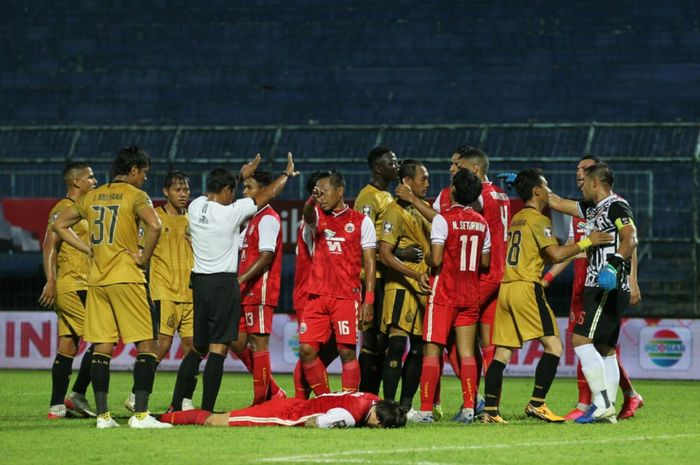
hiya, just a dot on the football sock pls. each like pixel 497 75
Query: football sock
pixel 316 376
pixel 410 380
pixel 60 377
pixel 594 370
pixel 612 377
pixel 301 387
pixel 584 392
pixel 467 374
pixel 493 384
pixel 213 372
pixel 189 417
pixel 544 375
pixel 350 377
pixel 144 375
pixel 261 376
pixel 479 363
pixel 99 373
pixel 429 378
pixel 82 381
pixel 453 358
pixel 392 365
pixel 372 361
pixel 186 379
pixel 625 381
pixel 438 386
pixel 487 354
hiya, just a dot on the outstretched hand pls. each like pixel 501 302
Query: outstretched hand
pixel 404 192
pixel 508 177
pixel 249 168
pixel 289 171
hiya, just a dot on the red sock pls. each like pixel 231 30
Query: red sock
pixel 438 386
pixel 429 378
pixel 247 358
pixel 479 364
pixel 468 375
pixel 261 376
pixel 453 357
pixel 301 387
pixel 584 392
pixel 186 417
pixel 350 378
pixel 316 376
pixel 625 381
pixel 487 354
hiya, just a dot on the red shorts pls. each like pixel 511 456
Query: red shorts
pixel 324 315
pixel 488 297
pixel 576 311
pixel 274 412
pixel 440 319
pixel 256 319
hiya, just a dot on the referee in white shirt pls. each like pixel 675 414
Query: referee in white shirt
pixel 215 221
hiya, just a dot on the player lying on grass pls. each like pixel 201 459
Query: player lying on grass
pixel 333 410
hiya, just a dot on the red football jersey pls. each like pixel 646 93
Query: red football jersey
pixel 302 269
pixel 339 238
pixel 264 289
pixel 444 200
pixel 465 235
pixel 497 213
pixel 580 264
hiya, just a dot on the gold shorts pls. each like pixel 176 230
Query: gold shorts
pixel 522 314
pixel 175 316
pixel 404 310
pixel 70 309
pixel 119 310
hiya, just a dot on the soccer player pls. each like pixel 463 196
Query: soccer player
pixel 214 225
pixel 406 286
pixel 117 304
pixel 522 312
pixel 343 239
pixel 334 410
pixel 372 201
pixel 66 270
pixel 169 271
pixel 260 273
pixel 633 400
pixel 607 287
pixel 460 245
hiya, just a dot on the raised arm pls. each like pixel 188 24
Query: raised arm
pixel 273 189
pixel 404 192
pixel 566 206
pixel 558 253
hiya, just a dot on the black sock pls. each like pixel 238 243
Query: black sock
pixel 544 375
pixel 186 379
pixel 494 382
pixel 60 378
pixel 99 373
pixel 83 380
pixel 393 365
pixel 412 368
pixel 144 374
pixel 371 361
pixel 213 371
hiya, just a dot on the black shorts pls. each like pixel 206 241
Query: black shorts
pixel 602 315
pixel 217 308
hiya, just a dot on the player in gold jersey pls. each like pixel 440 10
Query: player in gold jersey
pixel 406 285
pixel 66 271
pixel 522 312
pixel 117 305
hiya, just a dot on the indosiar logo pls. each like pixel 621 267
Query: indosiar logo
pixel 666 348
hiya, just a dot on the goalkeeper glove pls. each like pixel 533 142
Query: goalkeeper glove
pixel 607 277
pixel 508 178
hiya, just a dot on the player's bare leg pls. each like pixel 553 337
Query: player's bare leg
pixel 544 376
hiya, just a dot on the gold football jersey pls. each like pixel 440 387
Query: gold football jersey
pixel 372 202
pixel 529 232
pixel 172 259
pixel 72 264
pixel 110 211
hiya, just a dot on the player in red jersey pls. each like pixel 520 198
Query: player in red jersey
pixel 343 240
pixel 333 410
pixel 259 276
pixel 460 246
pixel 300 295
pixel 633 400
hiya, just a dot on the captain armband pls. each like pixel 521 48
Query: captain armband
pixel 624 221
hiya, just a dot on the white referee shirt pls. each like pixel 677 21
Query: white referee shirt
pixel 215 233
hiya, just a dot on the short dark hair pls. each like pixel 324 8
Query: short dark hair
pixel 602 172
pixel 526 181
pixel 407 168
pixel 173 176
pixel 334 177
pixel 467 151
pixel 264 178
pixel 311 181
pixel 595 159
pixel 467 186
pixel 219 178
pixel 70 170
pixel 127 158
pixel 376 153
pixel 390 414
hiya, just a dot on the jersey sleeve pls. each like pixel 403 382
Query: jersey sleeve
pixel 245 208
pixel 487 240
pixel 55 213
pixel 438 233
pixel 369 235
pixel 436 204
pixel 335 418
pixel 80 207
pixel 391 226
pixel 543 233
pixel 268 229
pixel 141 199
pixel 307 237
pixel 571 230
pixel 621 214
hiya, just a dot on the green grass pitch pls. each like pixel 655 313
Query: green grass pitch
pixel 666 430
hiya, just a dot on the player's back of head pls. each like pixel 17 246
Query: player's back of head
pixel 129 157
pixel 390 414
pixel 602 172
pixel 72 170
pixel 474 154
pixel 219 178
pixel 467 186
pixel 527 180
pixel 263 178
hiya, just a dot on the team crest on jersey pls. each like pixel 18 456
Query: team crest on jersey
pixel 302 327
pixel 388 227
pixel 55 216
pixel 349 228
pixel 548 232
pixel 366 210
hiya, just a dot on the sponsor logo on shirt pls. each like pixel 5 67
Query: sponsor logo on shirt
pixel 548 232
pixel 388 227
